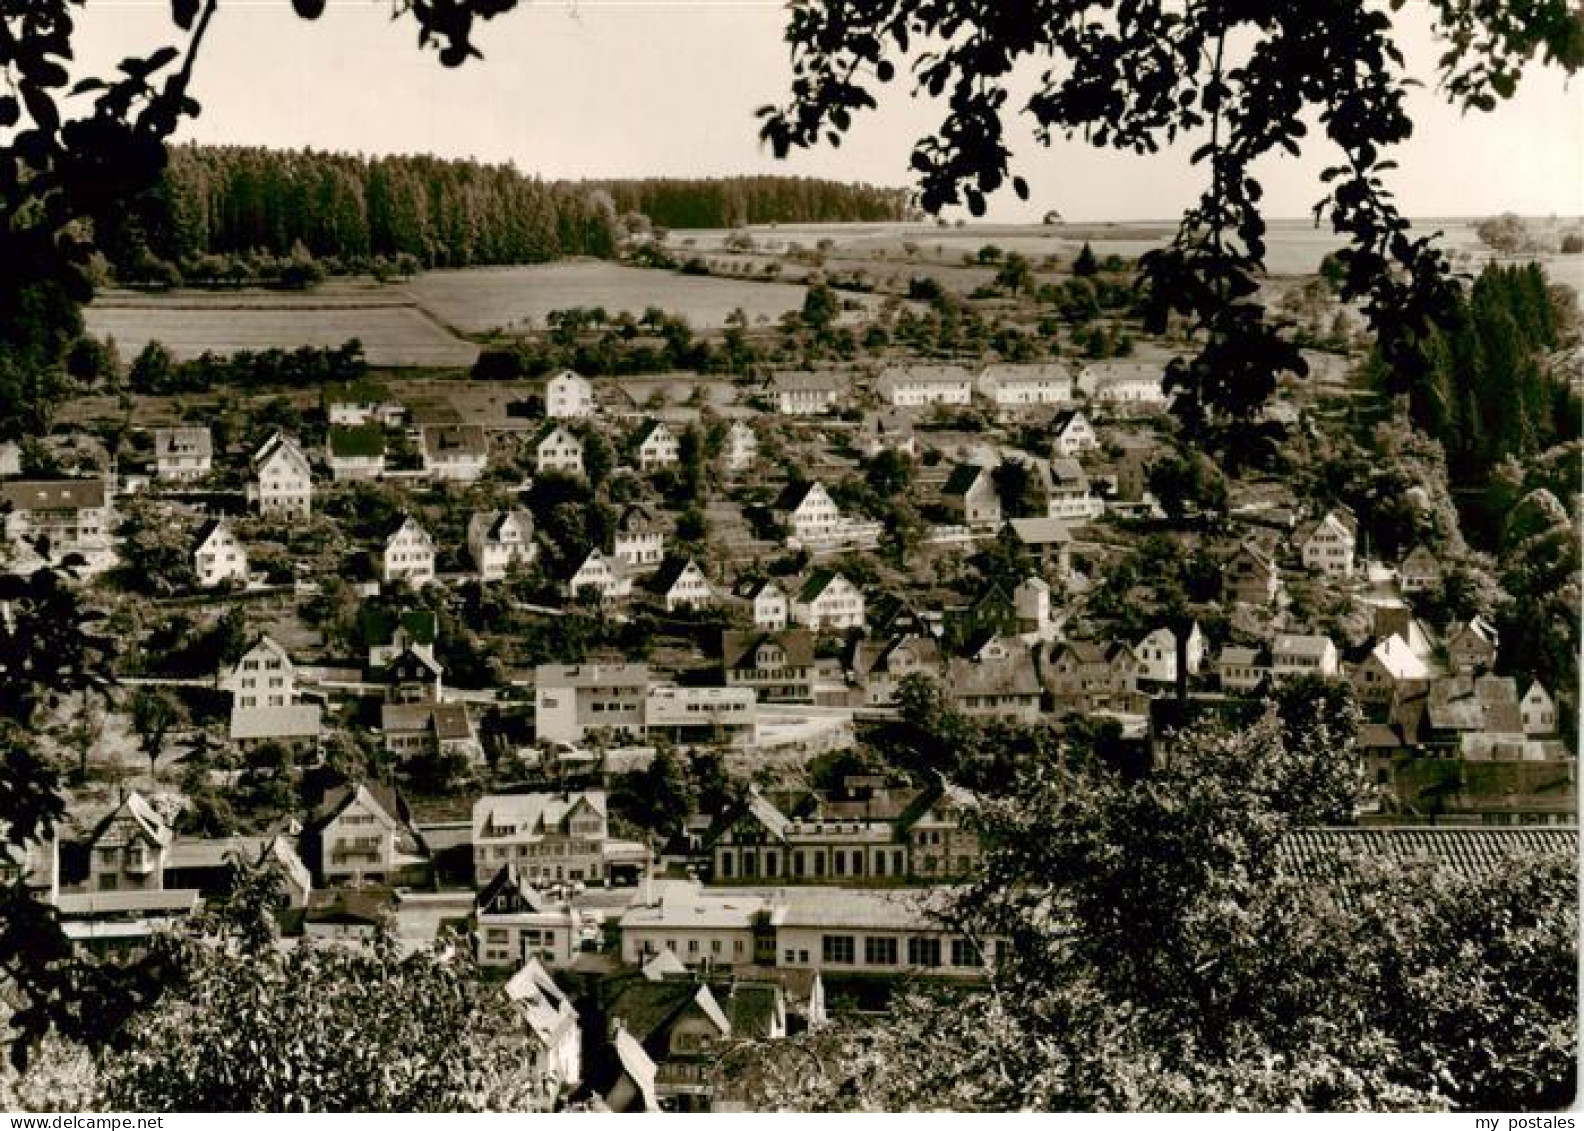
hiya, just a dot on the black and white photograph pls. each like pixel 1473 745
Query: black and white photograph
pixel 790 556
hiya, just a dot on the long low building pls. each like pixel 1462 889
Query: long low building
pixel 884 933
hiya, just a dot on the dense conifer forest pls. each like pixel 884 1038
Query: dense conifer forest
pixel 237 214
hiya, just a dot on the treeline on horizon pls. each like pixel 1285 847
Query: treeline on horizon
pixel 242 213
pixel 734 202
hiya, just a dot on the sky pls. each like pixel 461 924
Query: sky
pixel 624 88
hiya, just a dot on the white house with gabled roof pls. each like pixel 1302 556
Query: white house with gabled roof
pixel 610 578
pixel 809 512
pixel 1538 710
pixel 915 386
pixel 1326 546
pixel 655 446
pixel 282 482
pixel 409 554
pixel 498 539
pixel 219 555
pixel 569 396
pixel 556 449
pixel 1012 387
pixel 183 453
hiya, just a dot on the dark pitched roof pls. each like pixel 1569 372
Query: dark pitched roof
pixel 818 581
pixel 364 440
pixel 792 495
pixel 670 572
pixel 507 893
pixel 379 625
pixel 751 1007
pixel 454 439
pixel 963 478
pixel 737 647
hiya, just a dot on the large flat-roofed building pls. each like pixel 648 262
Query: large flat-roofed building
pixel 572 700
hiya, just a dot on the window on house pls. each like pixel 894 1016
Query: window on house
pixel 880 951
pixel 924 952
pixel 964 953
pixel 837 949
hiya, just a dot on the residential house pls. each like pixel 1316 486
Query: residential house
pixel 219 556
pixel 1092 675
pixel 1420 571
pixel 1294 655
pixel 1072 435
pixel 359 403
pixel 1241 669
pixel 869 831
pixel 350 916
pixel 888 615
pixel 498 540
pixel 552 1022
pixel 873 932
pixel 457 452
pixel 828 601
pixel 886 430
pixel 1032 599
pixel 741 448
pixel 556 449
pixel 574 700
pixel 1014 387
pixel 363 834
pixel 1326 546
pixel 1471 645
pixel 430 729
pixel 631 1087
pixel 639 540
pixel 1250 577
pixel 879 666
pixel 183 453
pixel 1391 669
pixel 408 554
pixel 779 666
pixel 128 848
pixel 208 865
pixel 357 452
pixel 914 386
pixel 681 584
pixel 413 676
pixel 808 511
pixel 1048 541
pixel 655 447
pixel 610 579
pixel 804 394
pixel 702 714
pixel 1538 711
pixel 264 700
pixel 991 613
pixel 545 837
pixel 771 609
pixel 57 517
pixel 569 396
pixel 1071 499
pixel 389 634
pixel 282 483
pixel 517 923
pixel 680 1027
pixel 1157 654
pixel 1133 384
pixel 971 497
pixel 1000 688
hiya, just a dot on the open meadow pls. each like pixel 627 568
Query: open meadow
pixel 394 330
pixel 518 298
